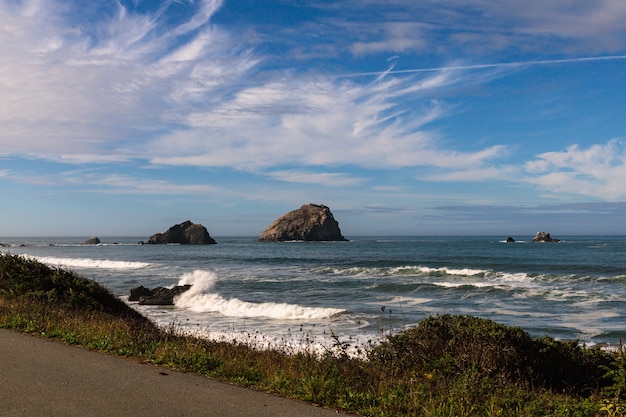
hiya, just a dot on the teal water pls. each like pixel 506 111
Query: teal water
pixel 303 292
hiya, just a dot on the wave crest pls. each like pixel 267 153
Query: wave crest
pixel 90 263
pixel 201 298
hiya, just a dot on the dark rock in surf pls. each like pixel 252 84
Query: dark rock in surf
pixel 311 222
pixel 137 293
pixel 544 237
pixel 186 233
pixel 157 296
pixel 510 240
pixel 92 241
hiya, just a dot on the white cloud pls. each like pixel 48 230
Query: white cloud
pixel 94 93
pixel 88 180
pixel 586 27
pixel 122 184
pixel 479 27
pixel 392 37
pixel 597 171
pixel 483 174
pixel 331 179
pixel 322 121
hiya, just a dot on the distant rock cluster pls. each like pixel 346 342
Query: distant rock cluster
pixel 539 237
pixel 311 222
pixel 544 237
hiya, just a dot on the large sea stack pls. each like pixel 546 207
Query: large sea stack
pixel 311 222
pixel 186 233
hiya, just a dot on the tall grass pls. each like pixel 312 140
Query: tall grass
pixel 446 366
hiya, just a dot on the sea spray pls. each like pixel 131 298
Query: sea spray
pixel 202 298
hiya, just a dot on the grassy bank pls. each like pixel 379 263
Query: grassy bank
pixel 446 366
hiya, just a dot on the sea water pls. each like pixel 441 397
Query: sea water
pixel 315 293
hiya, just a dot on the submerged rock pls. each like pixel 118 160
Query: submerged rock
pixel 157 296
pixel 186 233
pixel 544 237
pixel 311 222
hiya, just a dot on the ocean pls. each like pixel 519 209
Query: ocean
pixel 315 293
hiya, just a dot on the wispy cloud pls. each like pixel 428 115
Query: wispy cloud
pixel 121 184
pixel 596 171
pixel 94 181
pixel 331 179
pixel 321 121
pixel 482 27
pixel 88 92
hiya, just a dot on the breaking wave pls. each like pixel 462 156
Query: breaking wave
pixel 201 298
pixel 90 263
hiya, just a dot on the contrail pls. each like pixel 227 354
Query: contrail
pixel 484 66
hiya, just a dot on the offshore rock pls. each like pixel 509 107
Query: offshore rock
pixel 186 233
pixel 544 237
pixel 92 241
pixel 157 296
pixel 311 222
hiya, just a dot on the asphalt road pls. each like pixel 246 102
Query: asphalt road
pixel 44 378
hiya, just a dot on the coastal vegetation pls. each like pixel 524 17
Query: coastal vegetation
pixel 446 366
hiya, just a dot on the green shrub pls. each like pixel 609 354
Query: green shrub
pixel 450 346
pixel 22 277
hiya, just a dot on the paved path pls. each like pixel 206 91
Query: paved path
pixel 43 378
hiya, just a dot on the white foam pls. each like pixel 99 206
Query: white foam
pixel 201 298
pixel 407 269
pixel 439 271
pixel 319 344
pixel 90 263
pixel 409 301
pixel 465 284
pixel 485 279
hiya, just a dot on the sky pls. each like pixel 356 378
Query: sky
pixel 437 117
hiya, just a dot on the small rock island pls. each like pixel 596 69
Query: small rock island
pixel 544 237
pixel 186 233
pixel 311 222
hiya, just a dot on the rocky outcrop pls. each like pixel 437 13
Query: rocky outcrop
pixel 544 237
pixel 160 296
pixel 92 241
pixel 186 233
pixel 510 240
pixel 311 222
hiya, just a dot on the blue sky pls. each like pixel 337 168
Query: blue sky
pixel 411 118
